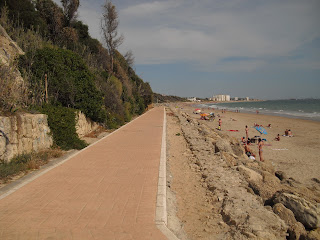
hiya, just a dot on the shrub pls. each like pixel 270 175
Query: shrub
pixel 62 123
pixel 127 111
pixel 70 83
pixel 114 121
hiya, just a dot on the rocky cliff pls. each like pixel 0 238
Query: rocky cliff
pixel 8 48
pixel 84 125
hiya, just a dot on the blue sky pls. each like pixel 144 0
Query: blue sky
pixel 261 49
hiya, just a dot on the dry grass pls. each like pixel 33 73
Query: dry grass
pixel 22 164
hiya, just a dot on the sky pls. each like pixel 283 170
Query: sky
pixel 243 48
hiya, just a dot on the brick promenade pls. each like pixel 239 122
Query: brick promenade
pixel 107 191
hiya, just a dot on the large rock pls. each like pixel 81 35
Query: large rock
pixel 249 174
pixel 266 187
pixel 304 211
pixel 297 231
pixel 8 48
pixel 84 125
pixel 284 213
pixel 314 235
pixel 223 145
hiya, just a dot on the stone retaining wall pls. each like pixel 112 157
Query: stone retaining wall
pixel 23 133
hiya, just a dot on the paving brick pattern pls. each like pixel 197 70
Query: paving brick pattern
pixel 107 191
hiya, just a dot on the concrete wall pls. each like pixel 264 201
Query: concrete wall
pixel 23 133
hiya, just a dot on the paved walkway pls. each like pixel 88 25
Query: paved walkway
pixel 107 191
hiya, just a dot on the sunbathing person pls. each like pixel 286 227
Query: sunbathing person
pixel 290 133
pixel 277 137
pixel 286 132
pixel 248 151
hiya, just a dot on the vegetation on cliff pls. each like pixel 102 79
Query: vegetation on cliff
pixel 64 66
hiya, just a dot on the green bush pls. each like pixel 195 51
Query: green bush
pixel 62 123
pixel 127 112
pixel 70 83
pixel 114 121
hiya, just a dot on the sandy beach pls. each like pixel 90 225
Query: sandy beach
pixel 216 192
pixel 298 156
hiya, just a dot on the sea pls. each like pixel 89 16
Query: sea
pixel 294 108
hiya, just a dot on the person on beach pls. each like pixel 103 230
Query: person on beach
pixel 286 132
pixel 248 151
pixel 277 137
pixel 290 133
pixel 247 132
pixel 260 144
pixel 219 124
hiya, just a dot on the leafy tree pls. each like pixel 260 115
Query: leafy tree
pixel 129 58
pixel 84 37
pixel 70 8
pixel 53 15
pixel 70 83
pixel 23 12
pixel 109 27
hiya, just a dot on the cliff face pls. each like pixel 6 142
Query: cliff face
pixel 8 48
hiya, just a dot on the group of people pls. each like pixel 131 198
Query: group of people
pixel 288 133
pixel 248 150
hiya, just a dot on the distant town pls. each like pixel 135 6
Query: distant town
pixel 220 98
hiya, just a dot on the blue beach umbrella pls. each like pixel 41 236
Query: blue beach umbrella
pixel 261 130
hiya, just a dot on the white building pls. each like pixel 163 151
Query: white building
pixel 221 98
pixel 193 99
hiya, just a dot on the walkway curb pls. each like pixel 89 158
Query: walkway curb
pixel 161 209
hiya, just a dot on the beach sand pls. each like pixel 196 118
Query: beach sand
pixel 298 156
pixel 211 186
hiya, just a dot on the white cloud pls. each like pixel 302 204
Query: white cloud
pixel 148 9
pixel 208 31
pixel 204 32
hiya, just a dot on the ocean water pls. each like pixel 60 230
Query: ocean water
pixel 300 108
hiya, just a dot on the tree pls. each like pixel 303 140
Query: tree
pixel 53 16
pixel 109 27
pixel 70 8
pixel 129 58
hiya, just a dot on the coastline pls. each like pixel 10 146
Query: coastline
pixel 270 107
pixel 300 160
pixel 220 191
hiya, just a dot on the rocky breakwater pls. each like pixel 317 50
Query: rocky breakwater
pixel 23 133
pixel 253 200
